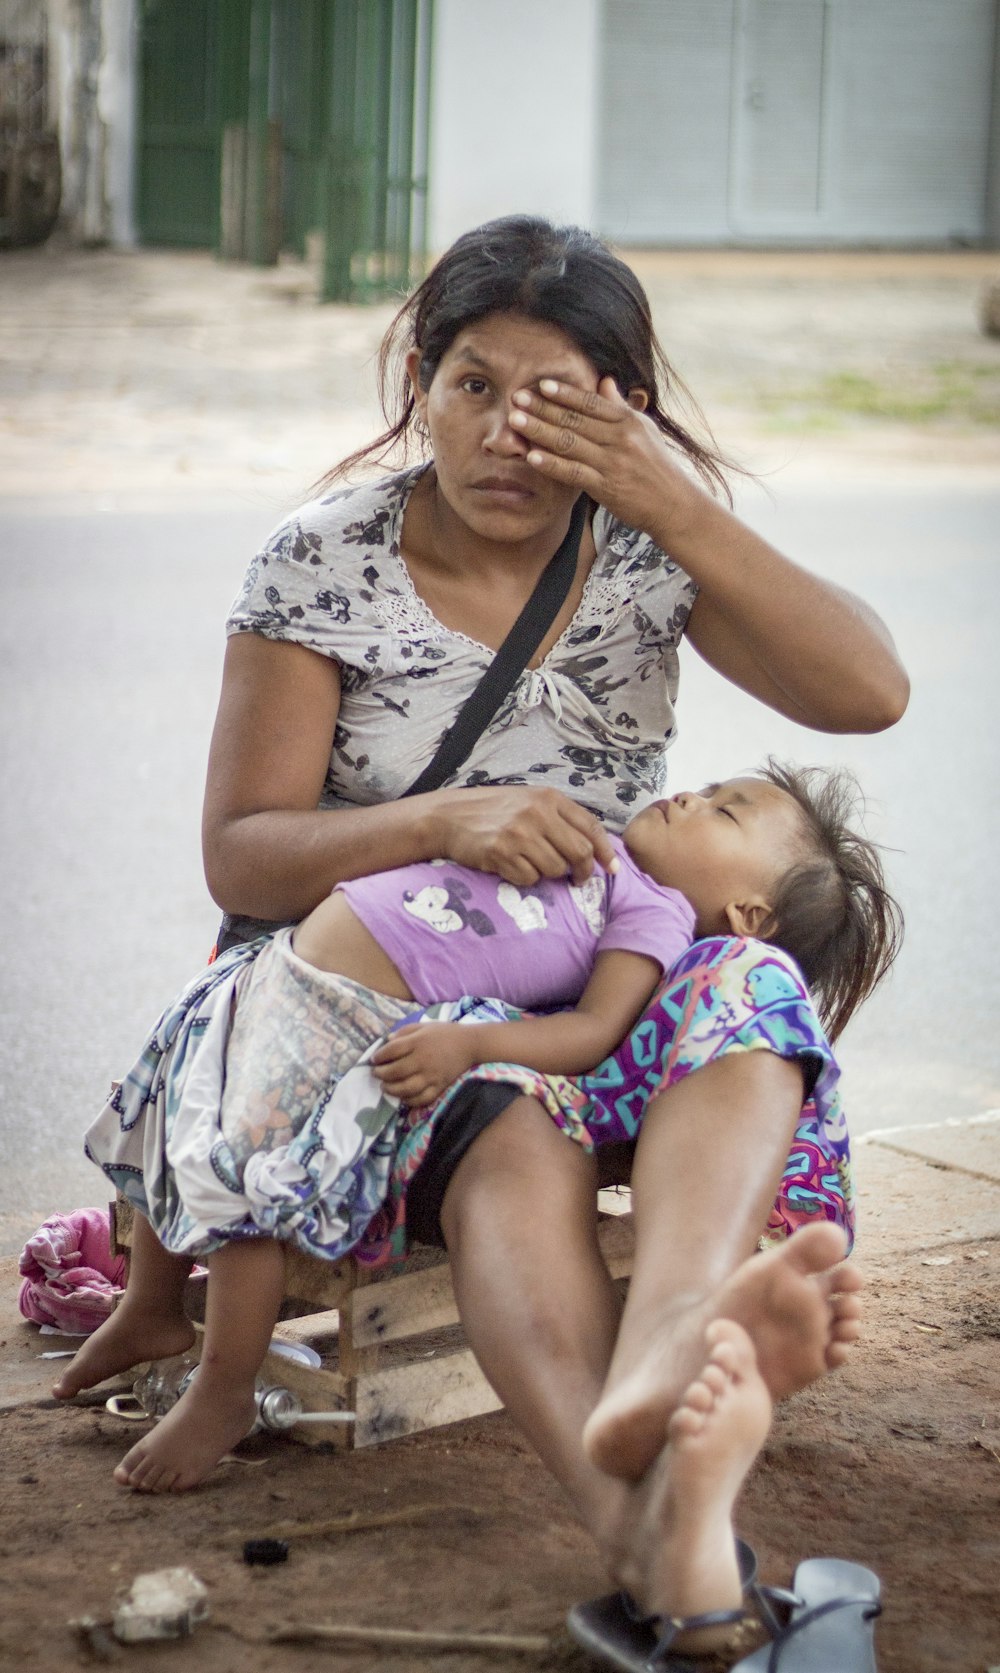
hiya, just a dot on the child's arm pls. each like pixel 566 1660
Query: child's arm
pixel 423 1058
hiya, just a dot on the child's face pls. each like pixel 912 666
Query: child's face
pixel 724 847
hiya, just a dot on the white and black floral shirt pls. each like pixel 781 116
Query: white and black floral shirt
pixel 594 720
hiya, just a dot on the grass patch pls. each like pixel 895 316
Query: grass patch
pixel 950 392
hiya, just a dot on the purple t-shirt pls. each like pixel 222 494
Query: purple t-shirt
pixel 450 930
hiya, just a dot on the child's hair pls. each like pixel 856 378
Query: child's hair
pixel 832 910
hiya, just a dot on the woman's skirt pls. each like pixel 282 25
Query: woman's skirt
pixel 331 1176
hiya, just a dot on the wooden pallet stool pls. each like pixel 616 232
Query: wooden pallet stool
pixel 401 1362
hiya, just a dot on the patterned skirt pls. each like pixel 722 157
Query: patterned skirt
pixel 339 1183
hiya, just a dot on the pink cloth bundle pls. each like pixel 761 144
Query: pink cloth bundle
pixel 71 1278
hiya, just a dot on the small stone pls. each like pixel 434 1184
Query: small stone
pixel 165 1603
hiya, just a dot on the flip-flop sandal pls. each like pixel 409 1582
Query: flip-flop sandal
pixel 829 1630
pixel 614 1628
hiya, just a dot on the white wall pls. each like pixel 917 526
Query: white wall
pixel 92 47
pixel 117 86
pixel 513 109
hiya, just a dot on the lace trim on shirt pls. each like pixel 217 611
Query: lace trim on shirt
pixel 406 614
pixel 606 591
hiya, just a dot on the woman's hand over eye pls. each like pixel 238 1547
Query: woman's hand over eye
pixel 522 834
pixel 598 443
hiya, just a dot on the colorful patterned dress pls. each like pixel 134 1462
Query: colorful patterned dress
pixel 340 1183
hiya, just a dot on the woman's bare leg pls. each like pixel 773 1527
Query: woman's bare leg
pixel 798 1302
pixel 541 1314
pixel 245 1288
pixel 148 1323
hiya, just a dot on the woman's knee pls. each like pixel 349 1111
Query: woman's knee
pixel 761 1086
pixel 519 1167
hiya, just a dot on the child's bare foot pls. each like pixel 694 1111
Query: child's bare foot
pixel 798 1303
pixel 680 1552
pixel 207 1422
pixel 126 1339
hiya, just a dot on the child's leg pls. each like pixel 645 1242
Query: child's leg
pixel 245 1289
pixel 148 1323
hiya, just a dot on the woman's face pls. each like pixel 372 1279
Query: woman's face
pixel 480 462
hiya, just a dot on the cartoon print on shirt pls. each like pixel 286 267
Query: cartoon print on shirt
pixel 526 910
pixel 589 899
pixel 441 907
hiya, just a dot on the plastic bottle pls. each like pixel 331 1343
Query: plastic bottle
pixel 278 1409
pixel 162 1383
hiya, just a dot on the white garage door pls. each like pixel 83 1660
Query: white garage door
pixel 795 120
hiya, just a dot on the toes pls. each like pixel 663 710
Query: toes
pixel 847 1278
pixel 698 1396
pixel 817 1248
pixel 686 1422
pixel 138 1469
pixel 845 1309
pixel 717 1374
pixel 732 1348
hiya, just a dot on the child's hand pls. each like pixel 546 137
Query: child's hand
pixel 423 1058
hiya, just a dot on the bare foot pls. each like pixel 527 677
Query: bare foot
pixel 207 1422
pixel 798 1303
pixel 680 1551
pixel 121 1342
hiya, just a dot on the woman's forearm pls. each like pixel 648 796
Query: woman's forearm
pixel 279 864
pixel 807 647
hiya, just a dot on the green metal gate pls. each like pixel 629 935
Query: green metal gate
pixel 262 121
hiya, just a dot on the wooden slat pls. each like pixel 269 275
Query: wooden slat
pixel 404 1306
pixel 617 1240
pixel 307 1278
pixel 122 1217
pixel 423 1395
pixel 312 1327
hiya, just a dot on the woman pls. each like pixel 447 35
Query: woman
pixel 531 372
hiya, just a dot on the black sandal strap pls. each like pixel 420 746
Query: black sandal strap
pixel 764 1597
pixel 670 1628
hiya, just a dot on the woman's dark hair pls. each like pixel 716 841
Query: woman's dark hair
pixel 562 276
pixel 833 911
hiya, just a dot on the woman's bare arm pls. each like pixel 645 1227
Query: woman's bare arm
pixel 806 647
pixel 269 852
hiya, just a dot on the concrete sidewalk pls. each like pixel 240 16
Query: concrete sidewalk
pixel 167 373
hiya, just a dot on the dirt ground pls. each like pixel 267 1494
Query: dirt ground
pixel 893 1462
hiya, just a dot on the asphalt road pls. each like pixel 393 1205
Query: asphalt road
pixel 110 651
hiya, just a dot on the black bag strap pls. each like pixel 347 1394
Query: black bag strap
pixel 510 660
pixel 481 705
